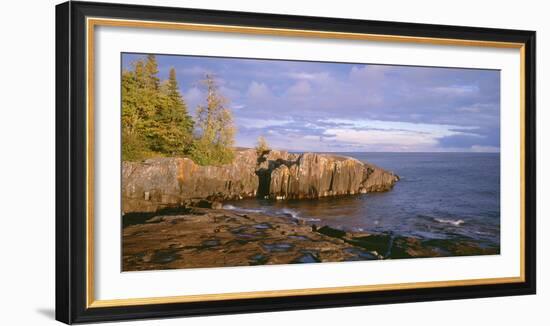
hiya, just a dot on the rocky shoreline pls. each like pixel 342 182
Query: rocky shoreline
pixel 173 216
pixel 196 237
pixel 160 183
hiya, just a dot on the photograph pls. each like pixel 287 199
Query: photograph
pixel 227 160
pixel 230 161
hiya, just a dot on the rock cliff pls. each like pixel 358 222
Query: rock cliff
pixel 166 182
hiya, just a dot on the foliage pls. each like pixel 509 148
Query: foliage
pixel 156 122
pixel 172 127
pixel 262 147
pixel 215 128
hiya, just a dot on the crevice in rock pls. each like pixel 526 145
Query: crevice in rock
pixel 264 181
pixel 272 174
pixel 331 185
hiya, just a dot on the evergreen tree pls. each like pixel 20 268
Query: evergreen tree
pixel 139 73
pixel 151 73
pixel 172 130
pixel 156 122
pixel 137 109
pixel 185 122
pixel 133 143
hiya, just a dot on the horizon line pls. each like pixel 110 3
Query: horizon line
pixel 420 152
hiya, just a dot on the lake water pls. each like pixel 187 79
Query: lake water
pixel 439 196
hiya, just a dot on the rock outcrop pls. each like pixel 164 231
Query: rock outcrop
pixel 164 182
pixel 313 175
pixel 167 182
pixel 201 237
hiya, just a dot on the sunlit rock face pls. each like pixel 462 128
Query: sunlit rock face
pixel 313 175
pixel 167 182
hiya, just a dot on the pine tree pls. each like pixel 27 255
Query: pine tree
pixel 173 88
pixel 173 127
pixel 156 122
pixel 185 122
pixel 151 73
pixel 134 144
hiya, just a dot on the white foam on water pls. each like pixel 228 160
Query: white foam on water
pixel 310 219
pixel 449 221
pixel 241 209
pixel 290 212
pixel 295 215
pixel 284 211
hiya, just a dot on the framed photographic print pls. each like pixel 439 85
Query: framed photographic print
pixel 213 162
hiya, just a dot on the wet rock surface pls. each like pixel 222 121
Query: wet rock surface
pixel 203 237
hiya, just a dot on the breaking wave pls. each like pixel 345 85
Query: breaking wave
pixel 449 221
pixel 270 211
pixel 241 209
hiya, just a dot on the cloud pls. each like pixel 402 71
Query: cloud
pixel 301 75
pixel 258 92
pixel 301 88
pixel 333 106
pixel 456 90
pixel 395 138
pixel 194 96
pixel 195 71
pixel 437 130
pixel 319 77
pixel 360 134
pixel 250 123
pixel 369 74
pixel 230 93
pixel 373 135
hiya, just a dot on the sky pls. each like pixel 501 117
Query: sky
pixel 348 107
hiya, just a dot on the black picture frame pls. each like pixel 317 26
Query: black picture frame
pixel 71 158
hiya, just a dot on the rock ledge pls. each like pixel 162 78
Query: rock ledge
pixel 170 182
